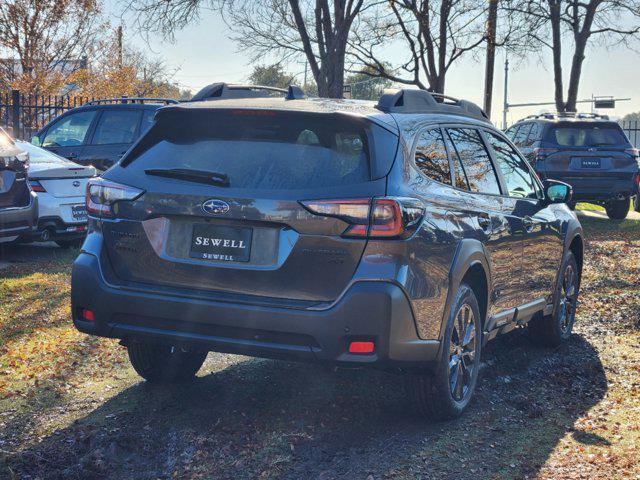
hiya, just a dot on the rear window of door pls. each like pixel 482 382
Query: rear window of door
pixel 116 126
pixel 70 131
pixel 263 149
pixel 431 156
pixel 533 137
pixel 478 168
pixel 516 175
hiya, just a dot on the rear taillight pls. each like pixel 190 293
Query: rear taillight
pixel 634 152
pixel 102 195
pixel 36 186
pixel 540 154
pixel 386 217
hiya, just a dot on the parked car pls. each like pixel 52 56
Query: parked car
pixel 18 204
pixel 61 186
pixel 100 132
pixel 401 235
pixel 587 151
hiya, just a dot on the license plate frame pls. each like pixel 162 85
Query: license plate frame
pixel 591 163
pixel 221 243
pixel 79 213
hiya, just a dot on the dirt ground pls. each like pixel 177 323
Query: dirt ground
pixel 71 406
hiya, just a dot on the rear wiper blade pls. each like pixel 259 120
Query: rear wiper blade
pixel 602 144
pixel 200 176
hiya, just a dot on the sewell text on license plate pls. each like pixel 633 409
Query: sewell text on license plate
pixel 221 243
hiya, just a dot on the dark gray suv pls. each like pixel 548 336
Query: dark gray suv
pixel 587 151
pixel 402 234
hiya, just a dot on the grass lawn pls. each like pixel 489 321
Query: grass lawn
pixel 71 406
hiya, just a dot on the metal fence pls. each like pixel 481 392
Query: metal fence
pixel 23 115
pixel 632 129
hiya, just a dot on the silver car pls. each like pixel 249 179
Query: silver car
pixel 60 185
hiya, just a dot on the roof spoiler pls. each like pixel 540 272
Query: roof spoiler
pixel 422 101
pixel 222 91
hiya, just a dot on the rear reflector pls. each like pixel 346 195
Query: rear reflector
pixel 87 315
pixel 362 347
pixel 36 186
pixel 386 217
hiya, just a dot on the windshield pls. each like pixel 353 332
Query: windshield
pixel 260 149
pixel 586 135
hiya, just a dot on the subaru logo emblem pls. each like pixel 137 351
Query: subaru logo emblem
pixel 76 183
pixel 215 207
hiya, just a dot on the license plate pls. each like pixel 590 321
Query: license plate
pixel 78 212
pixel 590 163
pixel 221 243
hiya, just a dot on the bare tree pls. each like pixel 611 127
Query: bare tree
pixel 41 37
pixel 436 33
pixel 492 27
pixel 317 30
pixel 552 22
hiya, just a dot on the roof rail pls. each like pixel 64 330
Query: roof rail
pixel 557 115
pixel 124 99
pixel 225 91
pixel 421 101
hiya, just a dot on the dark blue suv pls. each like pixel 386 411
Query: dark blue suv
pixel 587 151
pixel 100 132
pixel 401 234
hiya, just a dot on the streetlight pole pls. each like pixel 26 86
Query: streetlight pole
pixel 505 107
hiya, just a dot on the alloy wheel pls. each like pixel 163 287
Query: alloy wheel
pixel 462 353
pixel 567 307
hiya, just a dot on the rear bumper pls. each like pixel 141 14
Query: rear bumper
pixel 57 229
pixel 20 220
pixel 377 311
pixel 598 188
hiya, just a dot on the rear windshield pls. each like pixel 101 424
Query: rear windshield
pixel 259 149
pixel 586 135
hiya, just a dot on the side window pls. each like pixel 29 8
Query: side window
pixel 523 133
pixel 431 156
pixel 147 121
pixel 70 131
pixel 475 160
pixel 459 176
pixel 514 169
pixel 511 132
pixel 533 135
pixel 116 126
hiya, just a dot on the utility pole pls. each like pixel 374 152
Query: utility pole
pixel 492 23
pixel 306 67
pixel 505 107
pixel 119 45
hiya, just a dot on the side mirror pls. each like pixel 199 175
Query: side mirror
pixel 35 140
pixel 557 192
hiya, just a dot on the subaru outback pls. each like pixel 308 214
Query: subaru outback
pixel 588 151
pixel 402 234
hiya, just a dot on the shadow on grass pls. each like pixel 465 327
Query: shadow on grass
pixel 270 419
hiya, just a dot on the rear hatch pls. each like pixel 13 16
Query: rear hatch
pixel 589 155
pixel 245 232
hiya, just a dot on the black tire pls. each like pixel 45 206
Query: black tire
pixel 436 395
pixel 555 329
pixel 164 364
pixel 75 243
pixel 617 209
pixel 636 203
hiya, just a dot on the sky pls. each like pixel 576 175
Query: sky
pixel 202 53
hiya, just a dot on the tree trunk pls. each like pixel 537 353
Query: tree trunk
pixel 556 38
pixel 576 71
pixel 492 22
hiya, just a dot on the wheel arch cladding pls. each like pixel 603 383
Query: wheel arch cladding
pixel 577 248
pixel 470 265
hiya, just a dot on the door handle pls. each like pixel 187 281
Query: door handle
pixel 528 223
pixel 485 222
